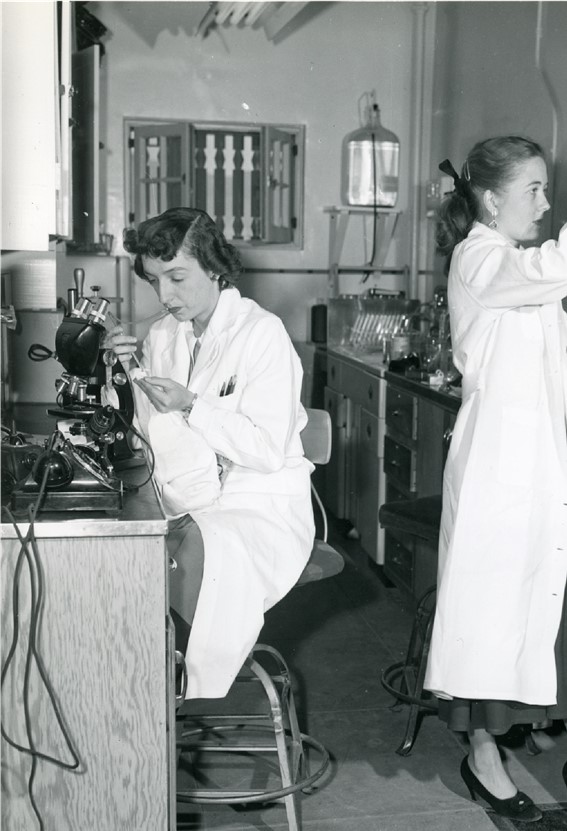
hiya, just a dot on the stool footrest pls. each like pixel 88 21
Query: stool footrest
pixel 269 795
pixel 390 675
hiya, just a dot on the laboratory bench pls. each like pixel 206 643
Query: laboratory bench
pixel 96 709
pixel 390 439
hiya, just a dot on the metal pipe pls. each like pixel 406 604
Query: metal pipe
pixel 347 270
pixel 419 10
pixel 554 104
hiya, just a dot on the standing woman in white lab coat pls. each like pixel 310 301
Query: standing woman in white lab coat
pixel 217 397
pixel 498 650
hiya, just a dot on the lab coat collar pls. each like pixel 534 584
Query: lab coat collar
pixel 224 315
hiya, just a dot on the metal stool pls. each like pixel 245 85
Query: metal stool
pixel 404 679
pixel 265 668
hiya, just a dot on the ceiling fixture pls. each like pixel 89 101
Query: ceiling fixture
pixel 273 17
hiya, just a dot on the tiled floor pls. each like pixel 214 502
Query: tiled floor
pixel 337 636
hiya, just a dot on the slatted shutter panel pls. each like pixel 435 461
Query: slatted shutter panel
pixel 227 167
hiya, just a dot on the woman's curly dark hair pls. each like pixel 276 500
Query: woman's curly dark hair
pixel 184 229
pixel 490 165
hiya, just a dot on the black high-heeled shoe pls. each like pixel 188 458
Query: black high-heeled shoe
pixel 519 807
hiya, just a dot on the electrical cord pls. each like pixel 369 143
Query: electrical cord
pixel 151 461
pixel 33 560
pixel 39 352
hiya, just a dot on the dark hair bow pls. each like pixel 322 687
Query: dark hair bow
pixel 460 184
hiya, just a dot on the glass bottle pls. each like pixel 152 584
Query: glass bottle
pixel 370 164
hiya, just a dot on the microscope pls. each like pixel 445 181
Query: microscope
pixel 94 411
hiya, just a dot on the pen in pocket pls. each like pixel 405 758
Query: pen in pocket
pixel 228 386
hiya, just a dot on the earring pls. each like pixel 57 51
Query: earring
pixel 493 223
pixel 214 277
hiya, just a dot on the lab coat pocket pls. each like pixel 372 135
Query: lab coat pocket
pixel 517 452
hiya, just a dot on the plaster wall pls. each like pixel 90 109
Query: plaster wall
pixel 490 81
pixel 313 77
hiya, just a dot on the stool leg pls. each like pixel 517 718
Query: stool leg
pixel 298 760
pixel 290 801
pixel 412 725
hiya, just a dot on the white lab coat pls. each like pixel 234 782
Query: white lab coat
pixel 503 544
pixel 257 527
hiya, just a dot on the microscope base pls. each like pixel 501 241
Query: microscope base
pixel 81 495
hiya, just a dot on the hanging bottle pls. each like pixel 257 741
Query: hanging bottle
pixel 370 163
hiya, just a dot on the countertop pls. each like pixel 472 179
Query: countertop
pixel 141 515
pixel 373 363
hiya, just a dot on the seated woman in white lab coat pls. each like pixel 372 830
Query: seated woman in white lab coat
pixel 498 651
pixel 218 399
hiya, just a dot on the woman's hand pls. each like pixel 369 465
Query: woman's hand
pixel 123 345
pixel 166 395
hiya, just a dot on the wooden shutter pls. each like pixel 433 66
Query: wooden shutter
pixel 160 169
pixel 279 177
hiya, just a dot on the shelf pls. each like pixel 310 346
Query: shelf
pixel 339 216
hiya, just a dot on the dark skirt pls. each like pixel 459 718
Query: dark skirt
pixel 498 717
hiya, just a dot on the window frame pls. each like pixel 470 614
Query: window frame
pixel 265 130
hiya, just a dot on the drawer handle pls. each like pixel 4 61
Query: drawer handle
pixel 395 413
pixel 369 431
pixel 394 463
pixel 370 392
pixel 448 435
pixel 332 372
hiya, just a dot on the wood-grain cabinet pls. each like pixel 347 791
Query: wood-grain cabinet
pixel 418 432
pixel 353 477
pixel 105 645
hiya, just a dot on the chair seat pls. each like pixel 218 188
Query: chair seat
pixel 324 562
pixel 419 517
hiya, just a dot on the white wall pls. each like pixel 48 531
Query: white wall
pixel 488 82
pixel 313 77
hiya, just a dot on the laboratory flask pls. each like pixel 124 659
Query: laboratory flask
pixel 370 164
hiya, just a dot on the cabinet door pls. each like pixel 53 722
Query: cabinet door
pixel 29 126
pixel 367 482
pixel 336 469
pixel 160 172
pixel 86 146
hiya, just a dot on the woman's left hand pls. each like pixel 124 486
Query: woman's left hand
pixel 166 395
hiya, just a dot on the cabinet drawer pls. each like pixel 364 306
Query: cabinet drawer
pixel 334 373
pixel 398 558
pixel 399 463
pixel 401 412
pixel 362 387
